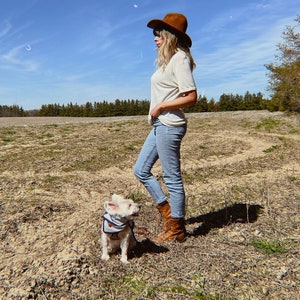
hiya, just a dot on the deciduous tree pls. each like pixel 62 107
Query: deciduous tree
pixel 284 73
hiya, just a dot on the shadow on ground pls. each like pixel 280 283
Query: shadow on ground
pixel 146 246
pixel 237 213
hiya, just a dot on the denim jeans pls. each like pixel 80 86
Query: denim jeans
pixel 163 143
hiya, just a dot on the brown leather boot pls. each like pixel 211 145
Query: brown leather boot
pixel 165 212
pixel 176 232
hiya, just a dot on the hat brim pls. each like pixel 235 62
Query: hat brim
pixel 159 24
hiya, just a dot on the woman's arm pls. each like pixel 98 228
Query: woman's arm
pixel 182 101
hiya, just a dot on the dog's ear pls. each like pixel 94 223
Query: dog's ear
pixel 111 207
pixel 116 198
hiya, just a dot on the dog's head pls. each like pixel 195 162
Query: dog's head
pixel 121 207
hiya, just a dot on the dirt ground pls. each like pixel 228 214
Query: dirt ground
pixel 241 172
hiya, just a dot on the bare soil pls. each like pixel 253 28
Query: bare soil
pixel 241 172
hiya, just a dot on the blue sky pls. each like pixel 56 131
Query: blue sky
pixel 61 51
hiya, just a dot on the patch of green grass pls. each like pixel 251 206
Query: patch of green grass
pixel 66 129
pixel 202 296
pixel 103 148
pixel 134 283
pixel 283 140
pixel 293 178
pixel 270 246
pixel 8 131
pixel 136 196
pixel 51 182
pixel 129 147
pixel 268 124
pixel 245 123
pixel 46 135
pixel 178 289
pixel 195 176
pixel 7 139
pixel 274 125
pixel 85 164
pixel 294 131
pixel 135 287
pixel 7 135
pixel 271 149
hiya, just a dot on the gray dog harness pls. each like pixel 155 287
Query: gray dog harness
pixel 114 225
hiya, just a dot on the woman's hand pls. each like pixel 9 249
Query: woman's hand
pixel 182 101
pixel 156 111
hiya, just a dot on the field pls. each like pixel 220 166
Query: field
pixel 241 172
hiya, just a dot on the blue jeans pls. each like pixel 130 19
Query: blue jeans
pixel 163 143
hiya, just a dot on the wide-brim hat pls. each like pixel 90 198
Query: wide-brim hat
pixel 175 23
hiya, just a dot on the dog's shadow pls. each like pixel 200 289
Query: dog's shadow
pixel 237 213
pixel 147 246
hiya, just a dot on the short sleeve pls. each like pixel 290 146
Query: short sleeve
pixel 183 73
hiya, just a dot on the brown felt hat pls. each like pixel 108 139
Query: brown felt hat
pixel 175 23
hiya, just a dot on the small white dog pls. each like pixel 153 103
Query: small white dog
pixel 117 227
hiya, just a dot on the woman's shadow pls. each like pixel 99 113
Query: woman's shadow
pixel 237 213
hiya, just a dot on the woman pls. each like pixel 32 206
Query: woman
pixel 172 88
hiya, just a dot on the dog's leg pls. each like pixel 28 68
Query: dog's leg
pixel 105 242
pixel 124 249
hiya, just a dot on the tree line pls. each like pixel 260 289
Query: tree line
pixel 231 102
pixel 97 109
pixel 227 102
pixel 12 111
pixel 136 107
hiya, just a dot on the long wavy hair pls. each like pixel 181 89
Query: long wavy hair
pixel 169 47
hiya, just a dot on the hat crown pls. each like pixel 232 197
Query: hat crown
pixel 177 21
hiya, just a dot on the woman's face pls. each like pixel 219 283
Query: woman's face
pixel 158 39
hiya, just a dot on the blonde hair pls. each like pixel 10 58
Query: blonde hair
pixel 169 47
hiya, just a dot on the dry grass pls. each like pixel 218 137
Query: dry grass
pixel 242 177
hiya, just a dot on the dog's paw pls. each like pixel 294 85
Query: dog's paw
pixel 124 260
pixel 105 257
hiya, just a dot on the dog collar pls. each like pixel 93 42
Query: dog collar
pixel 114 225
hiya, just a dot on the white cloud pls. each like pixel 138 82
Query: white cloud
pixel 15 59
pixel 5 30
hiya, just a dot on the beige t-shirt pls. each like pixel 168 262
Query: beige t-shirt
pixel 167 84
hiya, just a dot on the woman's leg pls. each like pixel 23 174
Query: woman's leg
pixel 168 142
pixel 142 169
